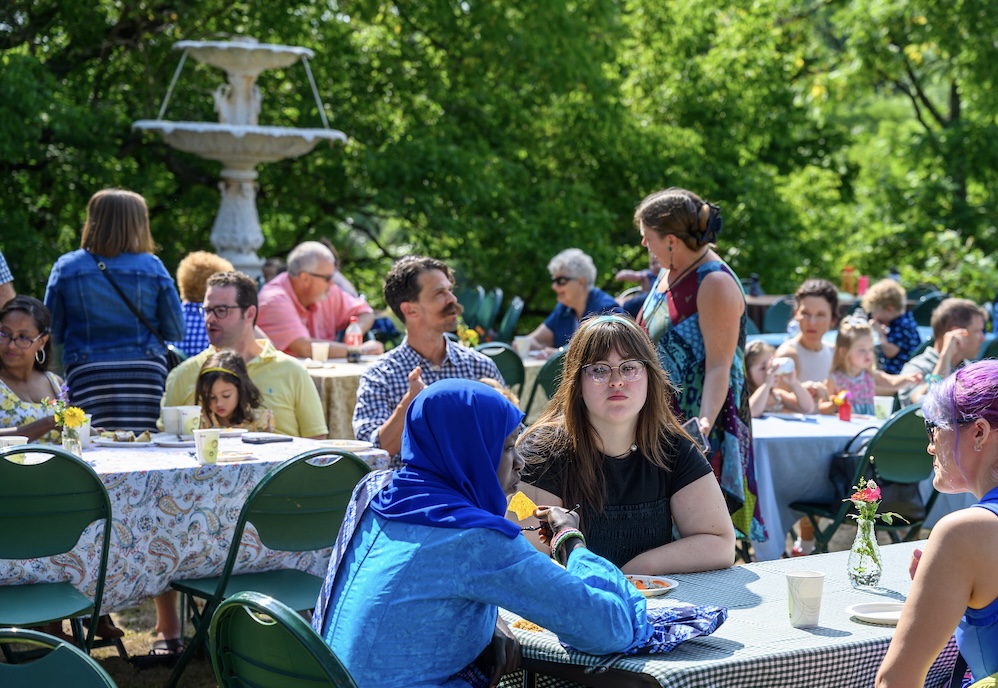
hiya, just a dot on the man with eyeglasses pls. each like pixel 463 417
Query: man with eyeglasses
pixel 304 305
pixel 230 313
pixel 420 291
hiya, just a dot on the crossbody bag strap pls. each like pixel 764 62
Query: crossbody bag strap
pixel 131 307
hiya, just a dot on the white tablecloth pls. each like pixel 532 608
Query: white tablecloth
pixel 172 519
pixel 792 458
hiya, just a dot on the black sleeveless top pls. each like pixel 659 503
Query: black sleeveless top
pixel 636 514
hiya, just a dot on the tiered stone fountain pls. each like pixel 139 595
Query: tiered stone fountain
pixel 237 140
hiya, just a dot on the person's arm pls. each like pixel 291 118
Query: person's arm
pixel 629 276
pixel 798 399
pixel 390 432
pixel 887 384
pixel 541 338
pixel 6 293
pixel 169 312
pixel 944 366
pixel 720 305
pixel 33 431
pixel 541 498
pixel 826 406
pixel 887 347
pixel 707 538
pixel 948 573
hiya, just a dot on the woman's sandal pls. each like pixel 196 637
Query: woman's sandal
pixel 164 653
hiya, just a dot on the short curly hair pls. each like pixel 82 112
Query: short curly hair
pixel 575 263
pixel 884 294
pixel 194 271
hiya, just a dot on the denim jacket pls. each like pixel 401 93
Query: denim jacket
pixel 91 320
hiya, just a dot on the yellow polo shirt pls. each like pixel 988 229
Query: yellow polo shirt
pixel 283 381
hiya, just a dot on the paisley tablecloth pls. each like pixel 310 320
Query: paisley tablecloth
pixel 172 519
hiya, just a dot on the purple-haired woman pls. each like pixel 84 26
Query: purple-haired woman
pixel 953 581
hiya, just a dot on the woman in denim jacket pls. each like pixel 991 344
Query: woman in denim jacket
pixel 115 367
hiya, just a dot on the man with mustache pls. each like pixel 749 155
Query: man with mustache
pixel 420 291
pixel 305 305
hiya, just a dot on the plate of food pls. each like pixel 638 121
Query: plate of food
pixel 168 439
pixel 652 586
pixel 349 445
pixel 883 613
pixel 123 438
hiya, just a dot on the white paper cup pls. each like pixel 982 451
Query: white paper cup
pixel 522 346
pixel 85 432
pixel 190 420
pixel 882 407
pixel 804 597
pixel 13 440
pixel 320 351
pixel 171 420
pixel 206 445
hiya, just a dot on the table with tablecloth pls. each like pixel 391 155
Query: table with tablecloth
pixel 792 458
pixel 756 646
pixel 172 519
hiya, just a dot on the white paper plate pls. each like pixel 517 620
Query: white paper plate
pixel 232 432
pixel 884 613
pixel 231 456
pixel 787 416
pixel 168 439
pixel 656 585
pixel 349 445
pixel 104 442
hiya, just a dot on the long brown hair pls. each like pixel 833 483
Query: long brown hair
pixel 564 429
pixel 117 222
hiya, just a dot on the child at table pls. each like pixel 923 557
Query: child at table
pixel 899 338
pixel 853 370
pixel 227 396
pixel 763 375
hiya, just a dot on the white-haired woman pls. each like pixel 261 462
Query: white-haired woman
pixel 572 276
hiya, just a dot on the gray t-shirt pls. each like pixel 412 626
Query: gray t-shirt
pixel 924 363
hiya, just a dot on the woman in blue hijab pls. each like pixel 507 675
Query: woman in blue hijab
pixel 426 556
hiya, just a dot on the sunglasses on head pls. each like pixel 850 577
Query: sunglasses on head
pixel 561 280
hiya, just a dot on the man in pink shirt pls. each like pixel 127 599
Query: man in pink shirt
pixel 303 305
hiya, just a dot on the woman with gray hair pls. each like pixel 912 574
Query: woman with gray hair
pixel 572 276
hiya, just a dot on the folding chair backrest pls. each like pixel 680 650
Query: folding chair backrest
pixel 65 665
pixel 254 640
pixel 471 299
pixel 489 309
pixel 299 506
pixel 508 362
pixel 923 311
pixel 898 450
pixel 549 376
pixel 507 326
pixel 777 316
pixel 46 506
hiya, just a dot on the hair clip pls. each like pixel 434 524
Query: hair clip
pixel 714 223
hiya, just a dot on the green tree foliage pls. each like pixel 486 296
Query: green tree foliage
pixel 496 133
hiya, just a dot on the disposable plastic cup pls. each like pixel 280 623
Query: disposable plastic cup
pixel 882 407
pixel 13 440
pixel 522 346
pixel 190 420
pixel 206 445
pixel 320 351
pixel 85 432
pixel 804 597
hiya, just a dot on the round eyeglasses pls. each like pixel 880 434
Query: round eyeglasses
pixel 20 341
pixel 930 427
pixel 629 371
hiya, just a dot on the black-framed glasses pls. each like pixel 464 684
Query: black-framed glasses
pixel 326 278
pixel 220 312
pixel 930 427
pixel 629 371
pixel 561 280
pixel 20 341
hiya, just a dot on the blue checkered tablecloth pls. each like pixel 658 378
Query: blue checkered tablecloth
pixel 756 646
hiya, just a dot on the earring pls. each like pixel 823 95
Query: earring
pixel 42 359
pixel 672 266
pixel 977 446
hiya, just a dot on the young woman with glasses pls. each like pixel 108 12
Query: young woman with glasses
pixel 610 442
pixel 954 588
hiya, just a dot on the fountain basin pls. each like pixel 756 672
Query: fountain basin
pixel 244 55
pixel 239 146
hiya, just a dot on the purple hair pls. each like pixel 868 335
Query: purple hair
pixel 971 392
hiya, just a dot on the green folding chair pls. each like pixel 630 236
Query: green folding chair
pixel 508 362
pixel 45 506
pixel 507 326
pixel 489 309
pixel 897 449
pixel 254 640
pixel 471 299
pixel 923 311
pixel 777 316
pixel 62 664
pixel 297 507
pixel 548 379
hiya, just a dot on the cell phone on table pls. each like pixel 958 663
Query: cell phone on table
pixel 692 427
pixel 265 438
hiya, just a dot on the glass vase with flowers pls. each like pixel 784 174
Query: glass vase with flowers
pixel 70 419
pixel 865 563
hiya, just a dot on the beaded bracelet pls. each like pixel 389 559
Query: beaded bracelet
pixel 564 536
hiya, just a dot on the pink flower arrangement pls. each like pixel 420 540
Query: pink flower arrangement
pixel 866 499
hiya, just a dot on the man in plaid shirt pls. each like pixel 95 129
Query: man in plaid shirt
pixel 420 292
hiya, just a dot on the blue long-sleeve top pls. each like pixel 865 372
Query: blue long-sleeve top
pixel 413 605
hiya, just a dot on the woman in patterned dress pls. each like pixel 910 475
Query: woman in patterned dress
pixel 704 356
pixel 25 351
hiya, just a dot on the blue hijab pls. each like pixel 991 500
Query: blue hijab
pixel 451 447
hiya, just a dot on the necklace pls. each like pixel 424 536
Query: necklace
pixel 674 282
pixel 630 450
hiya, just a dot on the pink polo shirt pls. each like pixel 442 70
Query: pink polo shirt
pixel 284 319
